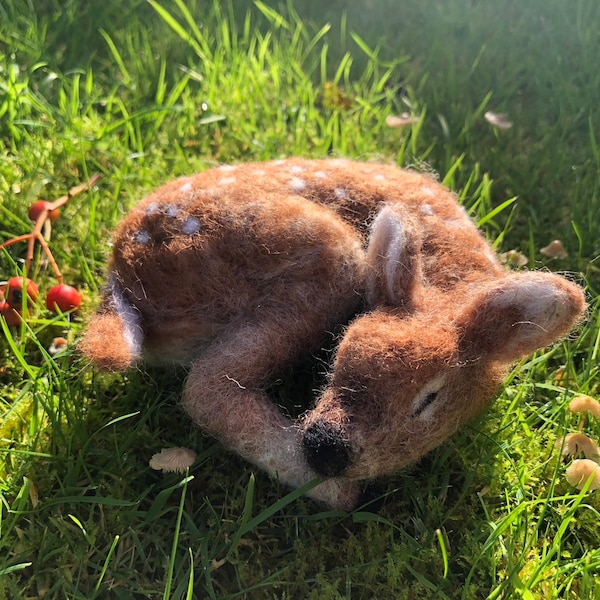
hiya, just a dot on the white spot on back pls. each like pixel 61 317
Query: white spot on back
pixel 456 223
pixel 297 184
pixel 296 169
pixel 259 172
pixel 190 226
pixel 227 167
pixel 380 177
pixel 338 162
pixel 427 191
pixel 186 187
pixel 341 193
pixel 172 211
pixel 142 237
pixel 151 209
pixel 227 181
pixel 320 175
pixel 427 210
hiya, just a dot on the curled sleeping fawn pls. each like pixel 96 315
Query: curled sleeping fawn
pixel 237 271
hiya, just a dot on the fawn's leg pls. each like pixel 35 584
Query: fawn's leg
pixel 224 395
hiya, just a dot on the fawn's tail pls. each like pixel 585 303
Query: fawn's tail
pixel 113 338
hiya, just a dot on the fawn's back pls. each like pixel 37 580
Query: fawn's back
pixel 206 250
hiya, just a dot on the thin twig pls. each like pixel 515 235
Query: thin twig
pixel 36 234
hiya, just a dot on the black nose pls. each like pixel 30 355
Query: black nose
pixel 326 448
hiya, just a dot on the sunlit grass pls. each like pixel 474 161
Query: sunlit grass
pixel 144 91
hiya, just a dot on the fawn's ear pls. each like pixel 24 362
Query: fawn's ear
pixel 517 315
pixel 393 259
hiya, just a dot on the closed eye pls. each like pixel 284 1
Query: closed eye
pixel 427 400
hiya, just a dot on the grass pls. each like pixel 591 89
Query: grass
pixel 144 91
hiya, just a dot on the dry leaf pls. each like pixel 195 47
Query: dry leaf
pixel 33 493
pixel 498 120
pixel 173 460
pixel 403 120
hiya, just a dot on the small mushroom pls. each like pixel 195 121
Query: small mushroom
pixel 58 345
pixel 555 249
pixel 498 120
pixel 581 470
pixel 583 403
pixel 513 258
pixel 574 443
pixel 173 460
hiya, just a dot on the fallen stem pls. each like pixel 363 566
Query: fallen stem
pixel 15 240
pixel 42 222
pixel 49 255
pixel 36 234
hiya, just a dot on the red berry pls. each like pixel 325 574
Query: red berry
pixel 65 297
pixel 12 316
pixel 41 206
pixel 14 292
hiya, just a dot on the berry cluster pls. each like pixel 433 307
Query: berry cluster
pixel 20 293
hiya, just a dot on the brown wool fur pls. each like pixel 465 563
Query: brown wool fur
pixel 238 270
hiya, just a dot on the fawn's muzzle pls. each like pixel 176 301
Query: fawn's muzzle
pixel 326 448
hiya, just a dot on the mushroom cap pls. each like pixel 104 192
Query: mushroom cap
pixel 581 470
pixel 173 460
pixel 499 120
pixel 555 249
pixel 583 403
pixel 514 258
pixel 574 443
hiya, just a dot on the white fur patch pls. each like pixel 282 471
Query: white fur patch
pixel 186 187
pixel 130 317
pixel 151 209
pixel 320 174
pixel 296 169
pixel 142 237
pixel 297 185
pixel 227 168
pixel 172 211
pixel 492 258
pixel 380 177
pixel 457 223
pixel 190 226
pixel 339 162
pixel 227 181
pixel 427 210
pixel 340 193
pixel 427 191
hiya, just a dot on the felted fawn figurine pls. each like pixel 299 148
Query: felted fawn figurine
pixel 238 270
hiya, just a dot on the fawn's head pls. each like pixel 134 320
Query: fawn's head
pixel 403 382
